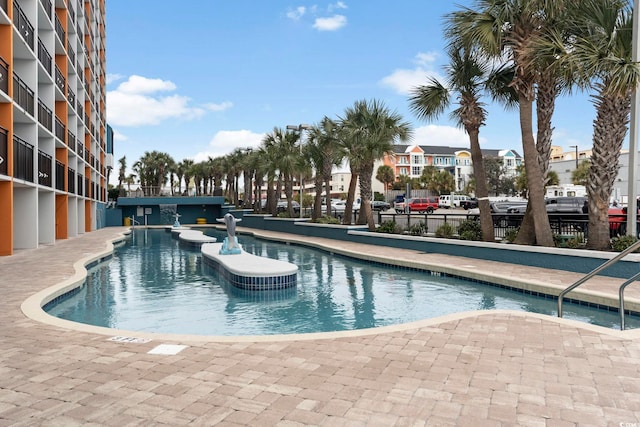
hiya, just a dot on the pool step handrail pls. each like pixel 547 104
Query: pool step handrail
pixel 621 295
pixel 595 271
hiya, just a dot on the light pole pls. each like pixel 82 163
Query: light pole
pixel 299 128
pixel 576 147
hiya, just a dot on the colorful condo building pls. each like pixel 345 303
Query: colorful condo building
pixel 53 133
pixel 410 160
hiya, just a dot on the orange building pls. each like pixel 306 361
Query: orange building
pixel 53 137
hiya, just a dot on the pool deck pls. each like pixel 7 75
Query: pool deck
pixel 471 369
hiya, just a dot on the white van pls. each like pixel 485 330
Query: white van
pixel 451 200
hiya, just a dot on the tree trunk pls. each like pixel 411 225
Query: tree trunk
pixel 609 131
pixel 535 179
pixel 348 210
pixel 317 202
pixel 365 216
pixel 482 192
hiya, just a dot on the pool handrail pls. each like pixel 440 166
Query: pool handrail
pixel 597 270
pixel 621 295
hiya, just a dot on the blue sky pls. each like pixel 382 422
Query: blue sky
pixel 200 78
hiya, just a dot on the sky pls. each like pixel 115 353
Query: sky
pixel 198 79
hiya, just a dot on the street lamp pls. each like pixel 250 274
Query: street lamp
pixel 299 128
pixel 576 147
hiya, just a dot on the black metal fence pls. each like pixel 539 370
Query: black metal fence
pixel 22 159
pixel 4 151
pixel 4 75
pixel 44 168
pixel 59 175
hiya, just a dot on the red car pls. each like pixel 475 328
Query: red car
pixel 423 204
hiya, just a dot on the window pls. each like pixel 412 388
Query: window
pixel 416 171
pixel 509 163
pixel 416 159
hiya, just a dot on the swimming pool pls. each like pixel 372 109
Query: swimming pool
pixel 155 284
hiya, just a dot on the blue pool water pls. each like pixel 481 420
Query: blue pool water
pixel 155 284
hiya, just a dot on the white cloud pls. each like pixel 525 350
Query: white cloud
pixel 114 78
pixel 337 5
pixel 445 136
pixel 330 24
pixel 297 13
pixel 136 103
pixel 225 141
pixel 138 84
pixel 119 137
pixel 403 80
pixel 219 107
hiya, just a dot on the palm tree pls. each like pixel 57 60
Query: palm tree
pixel 281 149
pixel 326 135
pixel 466 78
pixel 370 129
pixel 122 170
pixel 385 175
pixel 185 167
pixel 601 51
pixel 130 179
pixel 507 29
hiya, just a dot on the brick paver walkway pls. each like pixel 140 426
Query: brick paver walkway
pixel 485 369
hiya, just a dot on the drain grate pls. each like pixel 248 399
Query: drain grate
pixel 132 340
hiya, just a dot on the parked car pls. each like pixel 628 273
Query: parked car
pixel 423 204
pixel 399 204
pixel 501 209
pixel 338 208
pixel 282 206
pixel 452 200
pixel 380 205
pixel 469 204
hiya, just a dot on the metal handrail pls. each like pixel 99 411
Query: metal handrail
pixel 621 295
pixel 597 270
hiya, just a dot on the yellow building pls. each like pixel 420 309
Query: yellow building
pixel 53 137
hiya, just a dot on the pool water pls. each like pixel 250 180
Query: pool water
pixel 155 284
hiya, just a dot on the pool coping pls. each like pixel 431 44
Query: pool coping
pixel 32 307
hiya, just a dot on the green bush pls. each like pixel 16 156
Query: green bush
pixel 511 234
pixel 445 230
pixel 621 243
pixel 327 219
pixel 469 229
pixel 419 229
pixel 389 227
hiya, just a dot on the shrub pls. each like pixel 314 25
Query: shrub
pixel 445 230
pixel 389 227
pixel 327 219
pixel 469 229
pixel 511 234
pixel 419 229
pixel 621 243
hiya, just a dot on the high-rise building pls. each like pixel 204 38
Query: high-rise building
pixel 53 132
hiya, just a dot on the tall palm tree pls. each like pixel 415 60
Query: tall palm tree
pixel 507 29
pixel 466 76
pixel 122 170
pixel 186 166
pixel 601 51
pixel 284 153
pixel 326 135
pixel 371 129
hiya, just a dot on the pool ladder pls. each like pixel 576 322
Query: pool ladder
pixel 608 263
